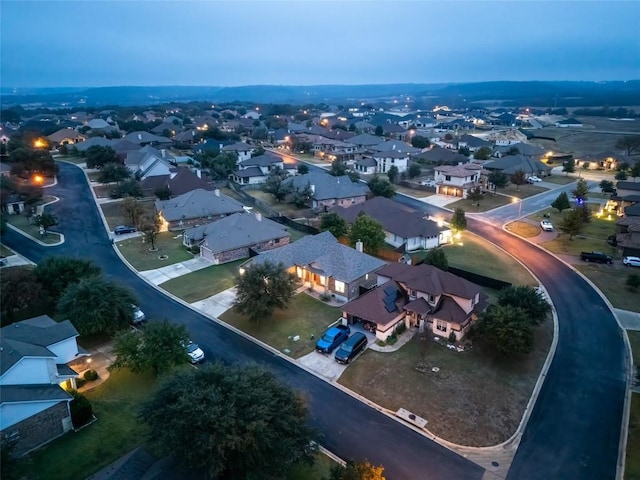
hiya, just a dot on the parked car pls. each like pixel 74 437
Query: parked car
pixel 332 338
pixel 138 315
pixel 350 349
pixel 120 229
pixel 546 225
pixel 631 261
pixel 196 355
pixel 597 257
pixel 534 179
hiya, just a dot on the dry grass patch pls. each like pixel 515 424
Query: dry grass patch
pixel 477 398
pixel 169 250
pixel 593 237
pixel 524 229
pixel 413 192
pixel 115 215
pixel 610 280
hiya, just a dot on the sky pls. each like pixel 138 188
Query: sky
pixel 306 42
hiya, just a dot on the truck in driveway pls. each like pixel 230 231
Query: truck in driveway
pixel 597 257
pixel 332 338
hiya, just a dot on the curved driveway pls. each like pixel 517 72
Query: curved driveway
pixel 573 431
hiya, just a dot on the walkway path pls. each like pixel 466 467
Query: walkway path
pixel 161 275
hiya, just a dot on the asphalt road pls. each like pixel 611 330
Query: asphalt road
pixel 346 426
pixel 574 428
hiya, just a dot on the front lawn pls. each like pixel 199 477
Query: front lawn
pixel 22 223
pixel 478 256
pixel 168 244
pixel 204 283
pixel 524 229
pixel 593 237
pixel 117 431
pixel 115 216
pixel 610 280
pixel 559 179
pixel 320 469
pixel 477 397
pixel 413 192
pixel 634 340
pixel 6 251
pixel 503 196
pixel 306 317
pixel 632 465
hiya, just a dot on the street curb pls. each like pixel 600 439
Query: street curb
pixel 39 242
pixel 624 431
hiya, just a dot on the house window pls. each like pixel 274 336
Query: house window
pixel 412 293
pixel 441 325
pixel 432 299
pixel 339 286
pixel 447 178
pixel 321 280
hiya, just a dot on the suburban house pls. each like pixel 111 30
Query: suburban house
pixel 569 122
pixel 66 136
pixel 471 142
pixel 328 191
pixel 526 149
pixel 196 208
pixel 510 164
pixel 237 236
pixel 148 162
pixel 403 227
pixel 243 150
pixel 367 166
pixel 256 170
pixel 602 160
pixel 34 406
pixel 441 156
pixel 365 140
pixel 146 138
pixel 13 204
pixel 457 180
pixel 419 296
pixel 628 231
pixel 93 142
pixel 323 264
pixel 178 181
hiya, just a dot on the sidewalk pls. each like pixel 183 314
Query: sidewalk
pixel 161 275
pixel 99 359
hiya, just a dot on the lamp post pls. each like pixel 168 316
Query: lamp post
pixel 519 202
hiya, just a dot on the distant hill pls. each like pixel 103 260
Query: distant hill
pixel 534 93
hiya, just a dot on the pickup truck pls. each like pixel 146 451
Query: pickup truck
pixel 598 257
pixel 332 338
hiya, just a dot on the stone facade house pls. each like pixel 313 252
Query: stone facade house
pixel 34 406
pixel 236 236
pixel 457 180
pixel 196 208
pixel 328 191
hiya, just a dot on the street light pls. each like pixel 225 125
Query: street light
pixel 519 202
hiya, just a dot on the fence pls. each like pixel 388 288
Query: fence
pixel 254 201
pixel 308 229
pixel 480 279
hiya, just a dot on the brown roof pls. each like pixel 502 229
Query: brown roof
pixel 449 311
pixel 419 305
pixel 371 305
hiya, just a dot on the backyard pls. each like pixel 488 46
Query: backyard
pixel 476 398
pixel 203 283
pixel 169 247
pixel 305 317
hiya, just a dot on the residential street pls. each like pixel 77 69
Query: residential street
pixel 574 428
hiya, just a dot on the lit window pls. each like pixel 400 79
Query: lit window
pixel 441 325
pixel 322 280
pixel 339 286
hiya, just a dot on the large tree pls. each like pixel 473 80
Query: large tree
pixel 458 220
pixel 414 170
pixel 606 186
pixel 635 171
pixel 95 305
pixel 262 288
pixel 420 142
pixel 57 273
pixel 393 174
pixel 338 168
pixel 483 153
pixel 561 202
pixel 568 167
pixel 113 172
pixel 231 421
pixel 581 192
pixel 19 288
pixel 357 471
pixel 572 223
pixel 438 258
pixel 475 195
pixel 498 179
pixel 528 299
pixel 222 165
pixel 368 231
pixel 335 224
pixel 157 348
pixel 380 187
pixel 275 184
pixel 150 226
pixel 506 329
pixel 629 143
pixel 130 187
pixel 98 156
pixel 132 209
pixel 518 178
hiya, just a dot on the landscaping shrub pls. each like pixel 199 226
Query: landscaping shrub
pixel 80 382
pixel 90 375
pixel 401 328
pixel 452 337
pixel 81 409
pixel 633 282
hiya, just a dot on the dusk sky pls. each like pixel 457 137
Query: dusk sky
pixel 106 43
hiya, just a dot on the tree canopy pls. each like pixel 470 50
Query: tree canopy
pixel 380 187
pixel 57 273
pixel 19 288
pixel 420 142
pixel 157 348
pixel 275 185
pixel 506 329
pixel 97 156
pixel 459 220
pixel 414 170
pixel 561 202
pixel 572 223
pixel 262 288
pixel 629 143
pixel 483 153
pixel 335 224
pixel 498 179
pixel 113 172
pixel 581 192
pixel 527 298
pixel 95 305
pixel 438 258
pixel 518 178
pixel 231 421
pixel 367 230
pixel 357 471
pixel 393 173
pixel 569 167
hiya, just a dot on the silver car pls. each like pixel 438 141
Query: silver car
pixel 631 261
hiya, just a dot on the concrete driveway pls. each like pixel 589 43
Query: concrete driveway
pixel 163 274
pixel 324 365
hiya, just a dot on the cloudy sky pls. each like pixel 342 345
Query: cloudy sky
pixel 304 42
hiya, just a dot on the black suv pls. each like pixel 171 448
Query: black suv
pixel 119 230
pixel 350 349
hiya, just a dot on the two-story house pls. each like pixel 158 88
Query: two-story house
pixel 457 180
pixel 419 296
pixel 243 150
pixel 194 208
pixel 34 406
pixel 255 170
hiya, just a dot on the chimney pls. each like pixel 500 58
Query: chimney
pixel 139 136
pixel 216 192
pixel 258 216
pixel 359 245
pixel 163 152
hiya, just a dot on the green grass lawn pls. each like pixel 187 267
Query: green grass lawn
pixel 21 222
pixel 115 216
pixel 305 316
pixel 559 179
pixel 632 465
pixel 491 390
pixel 318 471
pixel 201 284
pixel 524 229
pixel 610 279
pixel 116 432
pixel 593 237
pixel 167 243
pixel 479 256
pixel 288 209
pixel 6 251
pixel 413 192
pixel 93 176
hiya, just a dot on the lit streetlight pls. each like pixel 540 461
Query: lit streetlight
pixel 519 202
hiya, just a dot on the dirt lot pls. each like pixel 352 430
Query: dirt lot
pixel 477 398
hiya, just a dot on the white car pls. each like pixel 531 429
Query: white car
pixel 534 179
pixel 631 261
pixel 138 315
pixel 546 225
pixel 196 355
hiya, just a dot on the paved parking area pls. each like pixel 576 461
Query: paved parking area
pixel 324 365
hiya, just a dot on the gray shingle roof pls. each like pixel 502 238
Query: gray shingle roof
pixel 324 255
pixel 263 160
pixel 395 146
pixel 327 186
pixel 237 231
pixel 198 203
pixel 32 393
pixel 365 139
pixel 512 163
